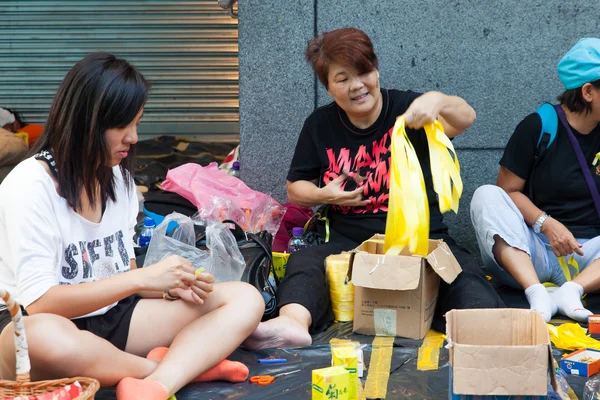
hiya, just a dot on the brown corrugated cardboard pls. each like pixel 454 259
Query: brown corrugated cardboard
pixel 396 295
pixel 498 352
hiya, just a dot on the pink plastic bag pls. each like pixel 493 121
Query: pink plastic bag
pixel 220 196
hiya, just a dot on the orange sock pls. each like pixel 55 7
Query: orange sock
pixel 140 389
pixel 230 371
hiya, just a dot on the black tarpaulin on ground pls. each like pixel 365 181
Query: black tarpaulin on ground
pixel 405 382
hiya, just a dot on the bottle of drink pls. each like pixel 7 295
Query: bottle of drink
pixel 297 242
pixel 235 169
pixel 147 232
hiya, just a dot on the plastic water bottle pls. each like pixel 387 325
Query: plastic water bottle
pixel 147 232
pixel 235 169
pixel 297 242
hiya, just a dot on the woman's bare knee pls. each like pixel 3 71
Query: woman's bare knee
pixel 248 295
pixel 247 299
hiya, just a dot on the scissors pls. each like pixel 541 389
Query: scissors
pixel 264 380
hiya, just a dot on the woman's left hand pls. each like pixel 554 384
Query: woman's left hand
pixel 198 292
pixel 424 110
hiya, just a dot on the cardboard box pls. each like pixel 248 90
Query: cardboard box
pixel 396 295
pixel 497 353
pixel 330 383
pixel 584 362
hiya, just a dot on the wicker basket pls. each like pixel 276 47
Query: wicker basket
pixel 23 385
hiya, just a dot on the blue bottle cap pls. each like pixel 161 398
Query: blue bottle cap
pixel 149 222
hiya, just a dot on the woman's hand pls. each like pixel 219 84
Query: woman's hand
pixel 562 241
pixel 198 292
pixel 333 193
pixel 424 110
pixel 171 273
pixel 454 113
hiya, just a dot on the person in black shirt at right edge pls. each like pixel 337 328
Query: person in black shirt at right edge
pixel 542 213
pixel 342 158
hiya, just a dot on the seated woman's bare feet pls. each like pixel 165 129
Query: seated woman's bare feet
pixel 282 331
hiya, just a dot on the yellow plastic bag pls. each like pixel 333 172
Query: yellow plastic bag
pixel 571 336
pixel 445 169
pixel 407 223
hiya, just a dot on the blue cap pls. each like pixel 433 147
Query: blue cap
pixel 148 221
pixel 581 64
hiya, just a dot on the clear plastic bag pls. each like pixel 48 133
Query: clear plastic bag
pixel 223 258
pixel 592 388
pixel 226 260
pixel 563 385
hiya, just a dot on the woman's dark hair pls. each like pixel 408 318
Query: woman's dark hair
pixel 350 47
pixel 574 100
pixel 100 92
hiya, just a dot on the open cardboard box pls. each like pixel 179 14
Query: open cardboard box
pixel 396 295
pixel 584 362
pixel 498 352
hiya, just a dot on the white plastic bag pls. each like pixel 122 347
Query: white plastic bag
pixel 223 259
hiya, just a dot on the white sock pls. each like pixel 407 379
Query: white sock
pixel 539 299
pixel 568 300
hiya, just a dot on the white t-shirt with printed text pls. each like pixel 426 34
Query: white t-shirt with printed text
pixel 44 242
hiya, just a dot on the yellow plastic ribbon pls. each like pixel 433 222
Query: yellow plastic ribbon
pixel 445 169
pixel 596 159
pixel 408 212
pixel 565 268
pixel 407 223
pixel 571 336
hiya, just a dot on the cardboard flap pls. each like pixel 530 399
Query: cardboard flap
pixel 377 271
pixel 444 263
pixel 498 352
pixel 500 370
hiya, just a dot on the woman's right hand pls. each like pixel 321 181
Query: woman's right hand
pixel 171 273
pixel 562 241
pixel 333 193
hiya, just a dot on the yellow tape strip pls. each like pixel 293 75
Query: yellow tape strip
pixel 360 393
pixel 379 367
pixel 571 394
pixel 429 352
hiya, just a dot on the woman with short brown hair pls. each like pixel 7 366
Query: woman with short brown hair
pixel 342 159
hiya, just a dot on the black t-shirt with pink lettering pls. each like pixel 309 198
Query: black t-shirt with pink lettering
pixel 330 144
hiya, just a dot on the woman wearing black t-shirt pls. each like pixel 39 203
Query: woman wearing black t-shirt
pixel 343 159
pixel 542 210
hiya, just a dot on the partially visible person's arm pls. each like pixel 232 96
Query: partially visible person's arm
pixel 72 301
pixel 145 294
pixel 514 186
pixel 455 114
pixel 307 194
